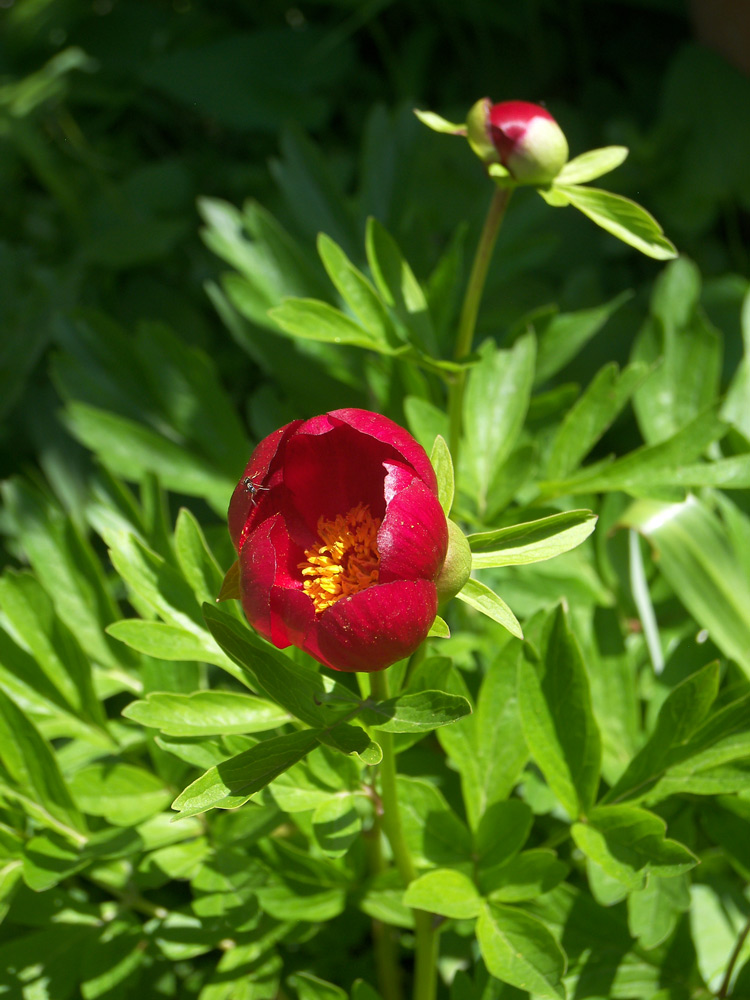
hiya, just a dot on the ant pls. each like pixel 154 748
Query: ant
pixel 253 488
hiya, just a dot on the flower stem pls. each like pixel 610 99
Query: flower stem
pixel 470 308
pixel 425 975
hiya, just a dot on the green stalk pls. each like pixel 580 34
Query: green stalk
pixel 425 976
pixel 468 319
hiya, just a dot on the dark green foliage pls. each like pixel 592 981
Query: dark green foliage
pixel 220 217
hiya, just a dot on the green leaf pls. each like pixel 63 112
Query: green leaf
pixel 357 292
pixel 438 124
pixel 444 891
pixel 501 833
pixel 30 614
pixel 415 713
pixel 31 766
pixel 426 421
pixel 169 642
pixel 629 843
pixel 68 567
pixel 592 415
pixel 398 286
pixel 649 470
pixel 488 747
pixel 495 404
pixel 621 217
pixel 735 409
pixel 197 562
pixel 557 718
pixel 123 794
pixel 45 963
pixel 48 860
pixel 232 783
pixel 113 965
pixel 684 351
pixel 697 558
pixel 439 629
pixel 132 450
pixel 528 875
pixel 588 166
pixel 442 463
pixel 434 833
pixel 682 712
pixel 336 825
pixel 654 911
pixel 519 950
pixel 309 696
pixel 532 541
pixel 561 336
pixel 311 319
pixel 309 987
pixel 479 596
pixel 717 923
pixel 206 713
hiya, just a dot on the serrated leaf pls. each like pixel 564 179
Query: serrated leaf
pixel 588 166
pixel 532 541
pixel 445 891
pixel 479 596
pixel 206 713
pixel 621 217
pixel 519 950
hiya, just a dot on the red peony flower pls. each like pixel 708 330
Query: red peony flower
pixel 341 538
pixel 523 137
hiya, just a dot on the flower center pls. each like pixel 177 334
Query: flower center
pixel 345 561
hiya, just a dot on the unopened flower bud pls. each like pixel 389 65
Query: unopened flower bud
pixel 523 137
pixel 457 566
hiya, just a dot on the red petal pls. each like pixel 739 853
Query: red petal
pixel 257 573
pixel 241 506
pixel 413 537
pixel 382 429
pixel 329 473
pixel 375 627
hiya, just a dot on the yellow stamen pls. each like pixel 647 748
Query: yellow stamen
pixel 345 561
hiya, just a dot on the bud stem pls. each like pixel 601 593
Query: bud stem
pixel 425 974
pixel 470 308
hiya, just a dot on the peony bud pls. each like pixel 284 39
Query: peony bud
pixel 457 566
pixel 523 137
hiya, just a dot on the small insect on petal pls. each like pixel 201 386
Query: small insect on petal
pixel 253 489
